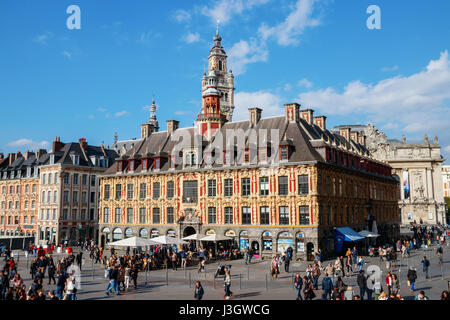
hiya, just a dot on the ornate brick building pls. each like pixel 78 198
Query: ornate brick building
pixel 19 193
pixel 268 183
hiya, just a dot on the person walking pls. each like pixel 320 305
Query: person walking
pixel 361 264
pixel 421 296
pixel 298 284
pixel 308 291
pixel 174 261
pixel 395 284
pixel 274 268
pixel 349 263
pixel 51 272
pixel 412 276
pixel 362 283
pixel 389 283
pixel 227 283
pixel 79 259
pixel 426 265
pixel 327 286
pixel 198 291
pixel 287 261
pixel 316 275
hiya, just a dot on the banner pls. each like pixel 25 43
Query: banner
pixel 406 184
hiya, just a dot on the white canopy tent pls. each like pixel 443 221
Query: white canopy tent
pixel 195 236
pixel 168 240
pixel 216 238
pixel 368 234
pixel 133 242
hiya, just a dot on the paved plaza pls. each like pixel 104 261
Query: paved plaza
pixel 249 282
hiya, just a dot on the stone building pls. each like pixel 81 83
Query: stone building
pixel 418 168
pixel 68 196
pixel 268 183
pixel 19 193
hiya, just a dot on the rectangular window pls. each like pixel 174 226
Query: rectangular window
pixel 93 197
pixel 227 157
pixel 74 214
pixel 75 178
pixel 170 215
pixel 65 214
pixel 190 191
pixel 93 178
pixel 130 215
pixel 84 197
pixel 84 179
pixel 54 214
pixel 142 216
pixel 83 214
pixel 283 186
pixel 264 186
pixel 156 216
pixel 284 215
pixel 304 215
pixel 264 215
pixel 156 190
pixel 246 156
pixel 106 215
pixel 117 217
pixel 284 153
pixel 228 215
pixel 211 215
pixel 66 178
pixel 118 191
pixel 245 186
pixel 130 191
pixel 228 187
pixel 303 185
pixel 107 191
pixel 170 189
pixel 75 197
pixel 211 188
pixel 263 154
pixel 319 184
pixel 142 191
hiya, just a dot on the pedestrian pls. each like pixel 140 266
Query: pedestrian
pixel 134 275
pixel 287 261
pixel 174 261
pixel 274 268
pixel 327 286
pixel 426 264
pixel 308 291
pixel 361 264
pixel 298 284
pixel 445 295
pixel 79 259
pixel 60 285
pixel 348 294
pixel 198 291
pixel 51 272
pixel 127 277
pixel 389 283
pixel 421 296
pixel 395 284
pixel 316 275
pixel 349 263
pixel 227 284
pixel 362 283
pixel 70 288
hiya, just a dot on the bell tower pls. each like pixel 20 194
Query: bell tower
pixel 217 62
pixel 152 125
pixel 211 117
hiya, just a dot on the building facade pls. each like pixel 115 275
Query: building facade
pixel 446 180
pixel 418 168
pixel 68 193
pixel 19 193
pixel 268 183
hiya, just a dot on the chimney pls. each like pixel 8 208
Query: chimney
pixel 292 112
pixel 12 158
pixel 321 122
pixel 147 129
pixel 57 144
pixel 308 115
pixel 255 115
pixel 83 143
pixel 28 154
pixel 354 135
pixel 345 132
pixel 172 125
pixel 40 153
pixel 362 139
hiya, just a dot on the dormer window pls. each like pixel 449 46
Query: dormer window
pixel 52 159
pixel 75 159
pixel 144 164
pixel 246 155
pixel 284 153
pixel 209 158
pixel 190 159
pixel 227 157
pixel 119 166
pixel 131 164
pixel 262 154
pixel 94 160
pixel 171 162
pixel 28 172
pixel 157 163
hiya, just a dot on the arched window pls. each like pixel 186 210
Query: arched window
pixel 220 64
pixel 194 161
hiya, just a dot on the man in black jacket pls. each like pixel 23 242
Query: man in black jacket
pixel 79 259
pixel 362 283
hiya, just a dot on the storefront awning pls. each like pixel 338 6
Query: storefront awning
pixel 349 234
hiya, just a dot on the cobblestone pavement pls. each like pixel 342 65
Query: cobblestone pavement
pixel 249 282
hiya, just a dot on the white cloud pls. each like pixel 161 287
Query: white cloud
pixel 287 87
pixel 29 144
pixel 101 109
pixel 294 25
pixel 180 112
pixel 182 15
pixel 192 37
pixel 305 83
pixel 446 149
pixel 43 38
pixel 121 114
pixel 148 37
pixel 66 54
pixel 271 104
pixel 223 10
pixel 244 52
pixel 388 69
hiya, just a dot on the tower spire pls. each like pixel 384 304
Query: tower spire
pixel 217 31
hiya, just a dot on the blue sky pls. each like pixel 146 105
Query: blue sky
pixel 96 81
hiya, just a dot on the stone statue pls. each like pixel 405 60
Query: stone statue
pixel 425 138
pixel 436 140
pixel 403 139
